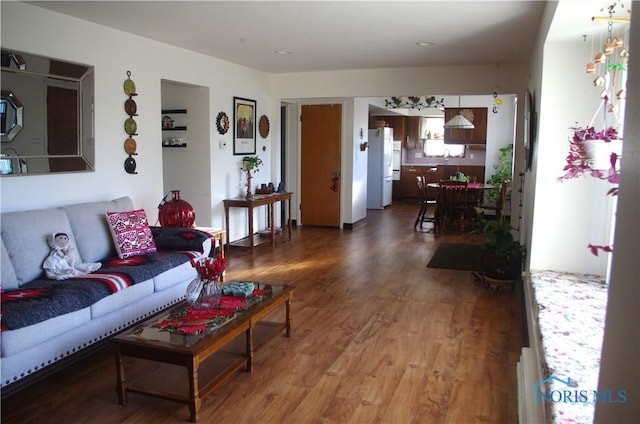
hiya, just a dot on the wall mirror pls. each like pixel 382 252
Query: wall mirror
pixel 46 115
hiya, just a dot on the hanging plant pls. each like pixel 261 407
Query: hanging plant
pixel 580 161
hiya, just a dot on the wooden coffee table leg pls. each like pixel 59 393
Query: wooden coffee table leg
pixel 195 403
pixel 288 315
pixel 250 348
pixel 121 387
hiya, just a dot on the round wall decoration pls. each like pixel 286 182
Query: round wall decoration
pixel 468 114
pixel 263 126
pixel 222 123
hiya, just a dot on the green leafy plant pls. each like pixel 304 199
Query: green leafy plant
pixel 503 171
pixel 251 163
pixel 501 255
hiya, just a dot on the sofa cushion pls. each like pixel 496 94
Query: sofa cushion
pixel 131 233
pixel 91 230
pixel 18 340
pixel 41 300
pixel 25 237
pixel 8 279
pixel 122 298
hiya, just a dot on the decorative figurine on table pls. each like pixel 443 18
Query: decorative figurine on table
pixel 61 263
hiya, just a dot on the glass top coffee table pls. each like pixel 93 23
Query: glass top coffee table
pixel 210 343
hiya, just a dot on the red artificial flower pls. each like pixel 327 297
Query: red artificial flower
pixel 210 268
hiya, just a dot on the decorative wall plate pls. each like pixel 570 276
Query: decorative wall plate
pixel 130 107
pixel 222 123
pixel 263 126
pixel 130 126
pixel 130 146
pixel 468 114
pixel 130 165
pixel 129 87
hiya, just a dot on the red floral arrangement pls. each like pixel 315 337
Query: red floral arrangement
pixel 210 268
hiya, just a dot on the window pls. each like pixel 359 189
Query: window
pixel 433 135
pixel 438 148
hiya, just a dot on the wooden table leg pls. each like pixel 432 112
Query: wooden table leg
pixel 289 217
pixel 288 315
pixel 249 337
pixel 250 212
pixel 121 386
pixel 226 221
pixel 195 403
pixel 272 225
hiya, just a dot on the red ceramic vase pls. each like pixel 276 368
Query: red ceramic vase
pixel 177 212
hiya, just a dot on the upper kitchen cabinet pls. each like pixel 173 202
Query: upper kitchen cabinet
pixel 478 135
pixel 412 130
pixel 397 123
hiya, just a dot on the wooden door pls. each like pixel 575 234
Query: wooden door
pixel 320 162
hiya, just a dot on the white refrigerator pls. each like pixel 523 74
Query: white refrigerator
pixel 380 168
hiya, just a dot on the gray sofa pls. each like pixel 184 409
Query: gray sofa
pixel 44 320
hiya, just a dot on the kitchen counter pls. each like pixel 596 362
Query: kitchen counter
pixel 407 187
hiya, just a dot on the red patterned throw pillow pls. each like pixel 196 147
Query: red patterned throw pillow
pixel 131 233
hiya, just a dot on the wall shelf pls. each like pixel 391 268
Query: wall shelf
pixel 176 145
pixel 178 128
pixel 170 111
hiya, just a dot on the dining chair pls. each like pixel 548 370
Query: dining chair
pixel 498 205
pixel 426 202
pixel 456 204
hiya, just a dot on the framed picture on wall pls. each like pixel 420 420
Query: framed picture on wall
pixel 244 126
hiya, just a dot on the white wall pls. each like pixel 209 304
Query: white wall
pixel 574 213
pixel 113 53
pixel 359 160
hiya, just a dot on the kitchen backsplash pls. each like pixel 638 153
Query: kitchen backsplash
pixel 417 157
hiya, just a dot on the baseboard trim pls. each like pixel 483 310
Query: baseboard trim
pixel 355 225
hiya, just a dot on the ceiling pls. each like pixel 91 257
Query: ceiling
pixel 327 35
pixel 342 35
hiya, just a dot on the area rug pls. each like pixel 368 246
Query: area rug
pixel 464 257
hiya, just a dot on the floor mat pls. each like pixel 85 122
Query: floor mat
pixel 464 257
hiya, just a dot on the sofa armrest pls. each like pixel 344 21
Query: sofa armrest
pixel 171 238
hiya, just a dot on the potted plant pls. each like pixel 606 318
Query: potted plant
pixel 364 145
pixel 503 171
pixel 501 255
pixel 250 163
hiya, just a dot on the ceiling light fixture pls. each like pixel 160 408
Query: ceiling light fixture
pixel 459 121
pixel 283 52
pixel 424 43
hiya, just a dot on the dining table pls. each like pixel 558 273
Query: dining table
pixel 462 211
pixel 470 186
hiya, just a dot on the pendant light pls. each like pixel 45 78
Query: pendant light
pixel 459 121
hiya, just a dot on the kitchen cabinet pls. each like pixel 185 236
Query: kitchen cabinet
pixel 397 123
pixel 406 129
pixel 478 135
pixel 412 130
pixel 408 187
pixel 470 171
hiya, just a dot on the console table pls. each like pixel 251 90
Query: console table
pixel 268 200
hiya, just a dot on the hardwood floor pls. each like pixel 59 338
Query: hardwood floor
pixel 377 338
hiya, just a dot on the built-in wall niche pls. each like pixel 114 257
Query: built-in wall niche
pixel 56 108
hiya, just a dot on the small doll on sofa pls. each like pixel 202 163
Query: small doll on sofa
pixel 60 264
